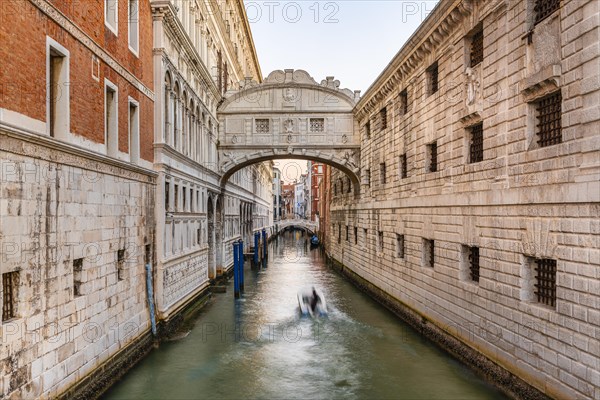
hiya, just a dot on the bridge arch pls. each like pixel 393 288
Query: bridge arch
pixel 289 116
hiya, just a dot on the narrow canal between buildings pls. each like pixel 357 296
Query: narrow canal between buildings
pixel 259 347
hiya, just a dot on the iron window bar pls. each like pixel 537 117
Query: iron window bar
pixel 474 263
pixel 545 287
pixel 549 120
pixel 476 146
pixel 544 8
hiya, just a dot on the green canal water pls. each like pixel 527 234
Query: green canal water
pixel 259 347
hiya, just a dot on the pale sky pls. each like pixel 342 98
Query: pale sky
pixel 353 40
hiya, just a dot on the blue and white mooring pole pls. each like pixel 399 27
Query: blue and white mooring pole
pixel 256 240
pixel 241 263
pixel 236 278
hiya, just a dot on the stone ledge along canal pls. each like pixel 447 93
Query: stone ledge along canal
pixel 259 347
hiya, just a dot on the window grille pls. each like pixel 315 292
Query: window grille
pixel 432 72
pixel 474 263
pixel 477 48
pixel 10 280
pixel 317 124
pixel 380 237
pixel 549 120
pixel 77 276
pixel 347 233
pixel 382 172
pixel 368 129
pixel 544 8
pixel 383 117
pixel 429 253
pixel 355 235
pixel 476 145
pixel 433 157
pixel 121 264
pixel 403 166
pixel 545 287
pixel 262 125
pixel 400 246
pixel 403 102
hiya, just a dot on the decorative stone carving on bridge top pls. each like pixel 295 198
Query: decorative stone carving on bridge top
pixel 289 115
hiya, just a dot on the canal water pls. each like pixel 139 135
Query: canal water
pixel 259 347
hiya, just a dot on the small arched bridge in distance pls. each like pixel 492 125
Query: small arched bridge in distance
pixel 307 225
pixel 289 116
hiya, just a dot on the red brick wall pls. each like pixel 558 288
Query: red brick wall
pixel 23 30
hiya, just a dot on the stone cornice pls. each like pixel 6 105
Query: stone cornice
pixel 58 17
pixel 436 28
pixel 164 9
pixel 30 144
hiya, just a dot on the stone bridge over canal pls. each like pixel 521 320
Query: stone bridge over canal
pixel 289 115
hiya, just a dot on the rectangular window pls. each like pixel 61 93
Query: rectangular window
pixel 432 157
pixel 58 90
pixel 176 198
pixel 167 200
pixel 192 200
pixel 355 235
pixel 403 166
pixel 134 131
pixel 121 264
pixel 317 124
pixel 399 246
pixel 476 143
pixel 348 185
pixel 428 253
pixel 10 295
pixel 432 78
pixel 262 125
pixel 368 129
pixel 77 276
pixel 544 8
pixel 347 233
pixel 473 257
pixel 548 114
pixel 198 236
pixel 476 53
pixel 383 118
pixel 380 240
pixel 368 177
pixel 184 198
pixel 339 233
pixel 111 124
pixel 111 15
pixel 403 99
pixel 134 32
pixel 545 281
pixel 382 173
pixel 365 237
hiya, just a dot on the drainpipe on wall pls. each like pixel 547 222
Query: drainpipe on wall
pixel 150 294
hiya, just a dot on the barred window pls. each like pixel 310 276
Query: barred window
pixel 121 264
pixel 355 235
pixel 380 240
pixel 403 98
pixel 317 124
pixel 368 176
pixel 348 185
pixel 399 246
pixel 403 166
pixel 167 200
pixel 432 153
pixel 474 263
pixel 262 125
pixel 347 233
pixel 476 143
pixel 428 253
pixel 433 78
pixel 77 276
pixel 382 172
pixel 548 112
pixel 368 129
pixel 383 117
pixel 10 284
pixel 544 8
pixel 545 286
pixel 477 47
pixel 339 233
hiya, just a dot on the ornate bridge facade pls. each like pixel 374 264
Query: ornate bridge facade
pixel 299 223
pixel 289 115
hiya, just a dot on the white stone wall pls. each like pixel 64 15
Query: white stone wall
pixel 521 202
pixel 58 206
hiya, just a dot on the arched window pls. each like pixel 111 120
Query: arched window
pixel 176 117
pixel 167 108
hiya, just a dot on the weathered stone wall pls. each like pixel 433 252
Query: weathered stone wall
pixel 522 202
pixel 57 207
